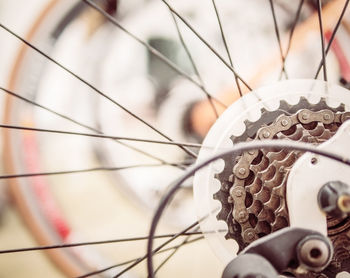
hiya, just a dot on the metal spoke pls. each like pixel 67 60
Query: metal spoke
pixel 277 32
pixel 95 89
pixel 139 259
pixel 205 42
pixel 70 245
pixel 88 127
pixel 295 22
pixel 154 251
pixel 183 145
pixel 184 45
pixel 195 69
pixel 154 51
pixel 226 47
pixel 319 12
pixel 172 143
pixel 169 257
pixel 89 170
pixel 333 36
pixel 187 239
pixel 238 148
pixel 151 49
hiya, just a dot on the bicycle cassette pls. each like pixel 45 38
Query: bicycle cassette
pixel 243 197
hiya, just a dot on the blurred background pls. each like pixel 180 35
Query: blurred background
pixel 118 204
pixel 13 232
pixel 131 218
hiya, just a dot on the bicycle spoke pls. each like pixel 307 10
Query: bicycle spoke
pixel 187 239
pixel 70 245
pixel 333 36
pixel 172 143
pixel 238 148
pixel 88 127
pixel 195 69
pixel 95 89
pixel 152 50
pixel 184 45
pixel 169 257
pixel 89 170
pixel 277 32
pixel 139 260
pixel 319 12
pixel 226 47
pixel 206 43
pixel 171 242
pixel 295 22
pixel 157 249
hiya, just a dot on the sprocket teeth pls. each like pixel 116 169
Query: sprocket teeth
pixel 264 163
pixel 266 204
pixel 268 173
pixel 276 179
pixel 288 161
pixel 317 131
pixel 332 127
pixel 264 190
pixel 228 236
pixel 322 104
pixel 284 105
pixel 303 102
pixel 255 186
pixel 221 195
pixel 325 135
pixel 279 156
pixel 223 214
pixel 217 176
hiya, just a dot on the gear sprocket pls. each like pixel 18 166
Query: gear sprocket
pixel 253 184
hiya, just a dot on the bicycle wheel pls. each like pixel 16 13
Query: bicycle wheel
pixel 153 91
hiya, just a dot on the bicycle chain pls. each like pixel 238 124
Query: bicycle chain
pixel 253 184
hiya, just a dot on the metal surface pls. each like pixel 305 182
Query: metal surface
pixel 253 185
pixel 314 253
pixel 302 201
pixel 257 192
pixel 303 250
pixel 243 119
pixel 333 198
pixel 249 266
